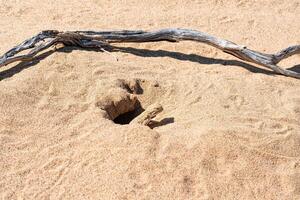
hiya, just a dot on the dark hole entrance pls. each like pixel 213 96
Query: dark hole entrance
pixel 127 117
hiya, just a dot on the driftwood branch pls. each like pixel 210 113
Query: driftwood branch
pixel 94 39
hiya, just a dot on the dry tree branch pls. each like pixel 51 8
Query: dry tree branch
pixel 94 39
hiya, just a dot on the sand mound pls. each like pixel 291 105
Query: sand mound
pixel 229 129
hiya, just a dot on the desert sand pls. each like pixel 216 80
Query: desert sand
pixel 229 129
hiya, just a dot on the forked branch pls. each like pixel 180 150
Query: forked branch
pixel 94 39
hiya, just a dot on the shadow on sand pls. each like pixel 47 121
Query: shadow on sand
pixel 143 53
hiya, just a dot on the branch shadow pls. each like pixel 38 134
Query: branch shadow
pixel 192 58
pixel 24 65
pixel 295 68
pixel 142 53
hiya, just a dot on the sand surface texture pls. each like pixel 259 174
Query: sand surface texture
pixel 229 129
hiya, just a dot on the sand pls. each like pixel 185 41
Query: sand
pixel 229 129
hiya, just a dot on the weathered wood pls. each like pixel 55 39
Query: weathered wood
pixel 94 39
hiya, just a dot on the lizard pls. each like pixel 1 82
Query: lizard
pixel 146 117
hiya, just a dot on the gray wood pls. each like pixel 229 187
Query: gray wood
pixel 94 39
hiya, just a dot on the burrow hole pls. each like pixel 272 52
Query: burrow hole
pixel 123 110
pixel 128 116
pixel 128 107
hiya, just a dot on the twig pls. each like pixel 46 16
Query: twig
pixel 94 39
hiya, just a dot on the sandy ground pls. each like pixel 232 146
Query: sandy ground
pixel 229 129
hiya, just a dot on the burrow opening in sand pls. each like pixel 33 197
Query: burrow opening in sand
pixel 123 110
pixel 127 117
pixel 126 102
pixel 122 106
